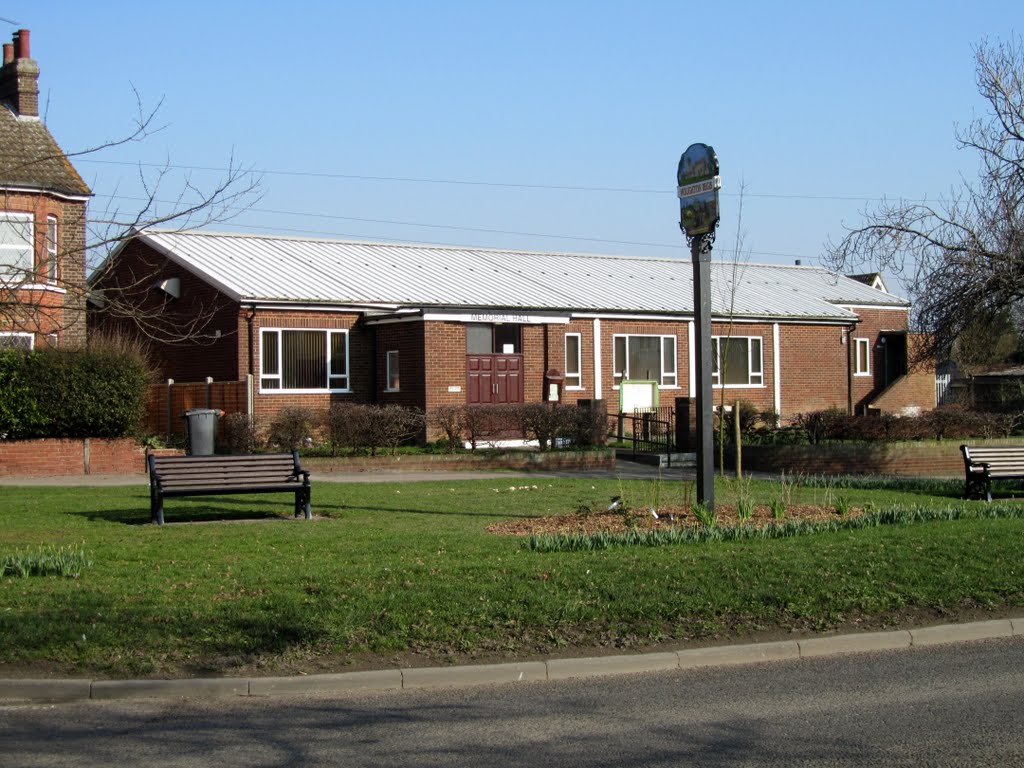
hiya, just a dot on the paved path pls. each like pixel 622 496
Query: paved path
pixel 625 470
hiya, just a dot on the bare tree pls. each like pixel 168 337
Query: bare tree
pixel 962 259
pixel 165 202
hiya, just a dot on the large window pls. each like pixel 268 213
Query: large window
pixel 22 341
pixel 573 361
pixel 862 364
pixel 16 245
pixel 647 358
pixel 737 361
pixel 304 360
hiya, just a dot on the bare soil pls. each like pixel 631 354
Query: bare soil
pixel 665 517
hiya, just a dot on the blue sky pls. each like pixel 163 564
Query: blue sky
pixel 534 125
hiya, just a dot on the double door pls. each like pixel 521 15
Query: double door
pixel 493 379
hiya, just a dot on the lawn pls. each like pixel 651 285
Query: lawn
pixel 407 574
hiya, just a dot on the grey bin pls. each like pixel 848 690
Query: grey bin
pixel 202 429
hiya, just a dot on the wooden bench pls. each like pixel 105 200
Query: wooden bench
pixel 222 475
pixel 983 464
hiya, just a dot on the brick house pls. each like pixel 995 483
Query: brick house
pixel 314 322
pixel 42 217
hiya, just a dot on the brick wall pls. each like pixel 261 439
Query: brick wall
pixel 408 339
pixel 45 311
pixel 44 458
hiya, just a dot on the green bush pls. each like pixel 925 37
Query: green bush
pixel 97 391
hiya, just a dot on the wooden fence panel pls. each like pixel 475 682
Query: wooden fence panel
pixel 166 403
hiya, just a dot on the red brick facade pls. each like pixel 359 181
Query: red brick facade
pixel 803 366
pixel 52 306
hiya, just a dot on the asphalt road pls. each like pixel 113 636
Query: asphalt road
pixel 952 705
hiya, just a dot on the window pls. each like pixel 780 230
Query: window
pixel 862 362
pixel 304 360
pixel 22 341
pixel 739 359
pixel 573 366
pixel 647 358
pixel 393 379
pixel 51 248
pixel 16 234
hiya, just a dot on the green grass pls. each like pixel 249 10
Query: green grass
pixel 394 570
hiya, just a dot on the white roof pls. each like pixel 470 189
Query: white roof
pixel 256 268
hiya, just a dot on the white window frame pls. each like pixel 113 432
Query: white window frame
pixel 755 373
pixel 5 250
pixel 18 334
pixel 574 376
pixel 51 248
pixel 393 370
pixel 668 376
pixel 862 357
pixel 279 376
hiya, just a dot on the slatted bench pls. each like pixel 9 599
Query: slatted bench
pixel 985 463
pixel 223 475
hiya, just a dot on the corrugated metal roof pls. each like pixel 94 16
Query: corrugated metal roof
pixel 284 269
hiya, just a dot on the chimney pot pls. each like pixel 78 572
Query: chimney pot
pixel 21 44
pixel 8 53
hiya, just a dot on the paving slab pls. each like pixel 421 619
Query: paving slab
pixel 198 688
pixel 728 655
pixel 869 641
pixel 376 680
pixel 959 633
pixel 484 674
pixel 560 669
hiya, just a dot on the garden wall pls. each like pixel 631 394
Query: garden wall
pixel 926 459
pixel 67 457
pixel 513 460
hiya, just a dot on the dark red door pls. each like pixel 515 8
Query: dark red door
pixel 494 379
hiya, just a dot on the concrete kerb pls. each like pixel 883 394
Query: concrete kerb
pixel 16 691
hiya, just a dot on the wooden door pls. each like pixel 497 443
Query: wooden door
pixel 494 379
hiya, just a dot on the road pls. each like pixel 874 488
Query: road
pixel 953 705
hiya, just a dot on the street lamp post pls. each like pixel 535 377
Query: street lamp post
pixel 699 183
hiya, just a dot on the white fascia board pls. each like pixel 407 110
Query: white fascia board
pixel 721 319
pixel 44 191
pixel 521 317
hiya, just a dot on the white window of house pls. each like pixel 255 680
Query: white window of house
pixel 737 361
pixel 573 361
pixel 645 358
pixel 16 234
pixel 51 248
pixel 303 360
pixel 22 341
pixel 862 357
pixel 394 381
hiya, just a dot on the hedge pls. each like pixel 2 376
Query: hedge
pixel 94 392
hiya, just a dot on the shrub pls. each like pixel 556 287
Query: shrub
pixel 388 426
pixel 292 428
pixel 241 434
pixel 96 391
pixel 346 426
pixel 588 425
pixel 482 421
pixel 450 420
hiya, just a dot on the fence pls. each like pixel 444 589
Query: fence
pixel 166 403
pixel 646 430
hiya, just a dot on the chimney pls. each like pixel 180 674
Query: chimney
pixel 19 77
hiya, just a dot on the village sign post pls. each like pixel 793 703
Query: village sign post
pixel 699 183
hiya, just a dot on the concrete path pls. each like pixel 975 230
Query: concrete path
pixel 515 672
pixel 625 470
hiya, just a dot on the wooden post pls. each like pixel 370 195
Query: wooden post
pixel 738 438
pixel 170 406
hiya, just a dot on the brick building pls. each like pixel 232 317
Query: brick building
pixel 314 322
pixel 42 217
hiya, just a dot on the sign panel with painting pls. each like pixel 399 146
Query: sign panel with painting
pixel 699 183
